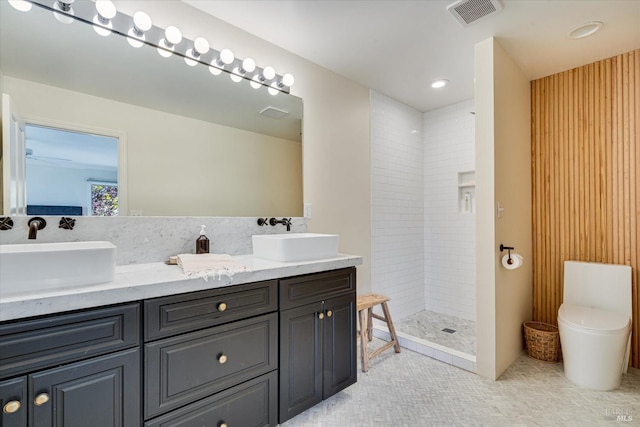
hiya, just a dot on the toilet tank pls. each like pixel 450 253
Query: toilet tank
pixel 598 285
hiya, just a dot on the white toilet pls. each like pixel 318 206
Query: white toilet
pixel 594 321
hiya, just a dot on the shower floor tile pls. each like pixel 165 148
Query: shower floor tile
pixel 429 325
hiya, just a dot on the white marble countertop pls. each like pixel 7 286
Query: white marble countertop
pixel 136 282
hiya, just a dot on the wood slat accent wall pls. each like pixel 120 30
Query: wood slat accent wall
pixel 585 129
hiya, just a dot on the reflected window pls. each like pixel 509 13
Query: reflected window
pixel 60 163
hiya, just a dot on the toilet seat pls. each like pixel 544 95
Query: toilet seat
pixel 593 320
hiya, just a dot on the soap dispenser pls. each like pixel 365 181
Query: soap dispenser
pixel 202 242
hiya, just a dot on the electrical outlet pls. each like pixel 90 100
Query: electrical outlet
pixel 307 210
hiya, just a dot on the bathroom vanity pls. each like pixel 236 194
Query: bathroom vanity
pixel 155 349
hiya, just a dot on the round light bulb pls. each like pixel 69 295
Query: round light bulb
pixel 214 68
pixel 201 45
pixel 236 75
pixel 255 82
pixel 106 9
pixel 21 5
pixel 173 35
pixel 142 21
pixel 167 51
pixel 226 56
pixel 268 73
pixel 63 10
pixel 100 24
pixel 288 80
pixel 133 39
pixel 273 89
pixel 248 65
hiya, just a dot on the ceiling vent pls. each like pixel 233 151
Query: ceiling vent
pixel 274 113
pixel 469 11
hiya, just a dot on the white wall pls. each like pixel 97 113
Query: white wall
pixel 449 240
pixel 503 174
pixel 397 210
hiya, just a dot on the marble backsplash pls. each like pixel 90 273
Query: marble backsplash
pixel 152 239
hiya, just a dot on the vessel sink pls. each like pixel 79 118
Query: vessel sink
pixel 45 266
pixel 295 246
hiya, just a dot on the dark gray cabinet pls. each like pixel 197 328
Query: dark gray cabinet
pixel 216 360
pixel 317 339
pixel 75 369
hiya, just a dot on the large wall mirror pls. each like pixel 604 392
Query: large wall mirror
pixel 188 143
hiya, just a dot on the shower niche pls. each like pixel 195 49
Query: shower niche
pixel 467 192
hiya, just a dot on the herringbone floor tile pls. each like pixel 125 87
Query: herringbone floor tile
pixel 409 389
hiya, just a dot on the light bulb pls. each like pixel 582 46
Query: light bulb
pixel 226 56
pixel 268 72
pixel 141 23
pixel 21 5
pixel 437 84
pixel 172 36
pixel 256 82
pixel 236 75
pixel 273 89
pixel 287 80
pixel 63 10
pixel 248 65
pixel 214 68
pixel 200 47
pixel 106 12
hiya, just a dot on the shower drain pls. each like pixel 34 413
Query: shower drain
pixel 449 331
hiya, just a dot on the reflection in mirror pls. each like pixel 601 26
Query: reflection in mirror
pixel 196 144
pixel 70 173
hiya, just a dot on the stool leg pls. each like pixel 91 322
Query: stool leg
pixel 363 342
pixel 370 324
pixel 392 330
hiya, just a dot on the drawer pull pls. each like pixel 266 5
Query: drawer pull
pixel 222 359
pixel 41 399
pixel 329 313
pixel 222 306
pixel 321 316
pixel 11 407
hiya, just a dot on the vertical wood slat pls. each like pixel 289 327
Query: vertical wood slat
pixel 585 146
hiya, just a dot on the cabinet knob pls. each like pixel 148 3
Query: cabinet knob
pixel 329 313
pixel 222 359
pixel 222 424
pixel 222 306
pixel 321 316
pixel 41 399
pixel 11 407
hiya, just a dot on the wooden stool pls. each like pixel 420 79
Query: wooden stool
pixel 367 302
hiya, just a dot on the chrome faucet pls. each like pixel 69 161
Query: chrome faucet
pixel 36 223
pixel 284 221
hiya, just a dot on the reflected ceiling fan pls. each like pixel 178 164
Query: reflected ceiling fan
pixel 45 159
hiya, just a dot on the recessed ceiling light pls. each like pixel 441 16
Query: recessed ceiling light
pixel 439 83
pixel 585 30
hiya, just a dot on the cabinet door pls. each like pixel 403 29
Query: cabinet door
pixel 300 359
pixel 339 344
pixel 100 392
pixel 13 399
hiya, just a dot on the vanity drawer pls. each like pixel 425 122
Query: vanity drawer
pixel 198 310
pixel 301 290
pixel 188 367
pixel 254 403
pixel 33 344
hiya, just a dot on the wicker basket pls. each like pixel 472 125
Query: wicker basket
pixel 542 341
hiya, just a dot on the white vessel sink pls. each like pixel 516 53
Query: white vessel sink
pixel 45 266
pixel 295 246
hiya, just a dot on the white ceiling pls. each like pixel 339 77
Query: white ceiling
pixel 398 47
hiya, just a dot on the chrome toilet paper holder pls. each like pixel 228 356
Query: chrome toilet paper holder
pixel 508 249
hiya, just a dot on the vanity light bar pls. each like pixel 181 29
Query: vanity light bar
pixel 167 43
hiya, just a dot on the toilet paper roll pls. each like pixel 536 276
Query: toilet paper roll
pixel 516 261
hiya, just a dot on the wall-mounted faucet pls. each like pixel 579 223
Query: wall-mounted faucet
pixel 284 221
pixel 36 223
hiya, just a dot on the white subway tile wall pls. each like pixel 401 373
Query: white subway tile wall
pixel 449 236
pixel 422 248
pixel 397 205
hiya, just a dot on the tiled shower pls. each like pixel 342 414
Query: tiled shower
pixel 423 224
